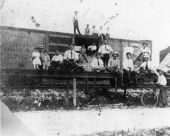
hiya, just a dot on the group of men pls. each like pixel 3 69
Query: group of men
pixel 104 35
pixel 105 59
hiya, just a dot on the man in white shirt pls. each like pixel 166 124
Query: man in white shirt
pixel 114 68
pixel 146 50
pixel 101 34
pixel 56 59
pixel 94 32
pixel 71 54
pixel 108 33
pixel 105 50
pixel 87 30
pixel 97 63
pixel 146 66
pixel 92 49
pixel 75 23
pixel 128 48
pixel 161 84
pixel 128 69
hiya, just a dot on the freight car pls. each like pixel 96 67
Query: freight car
pixel 17 45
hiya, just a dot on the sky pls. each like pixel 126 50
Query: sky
pixel 133 19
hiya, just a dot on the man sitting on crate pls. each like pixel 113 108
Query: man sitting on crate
pixel 161 84
pixel 92 49
pixel 71 55
pixel 146 66
pixel 57 59
pixel 97 63
pixel 114 67
pixel 70 60
pixel 129 74
pixel 146 70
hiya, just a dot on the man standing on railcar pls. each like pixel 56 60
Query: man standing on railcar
pixel 105 50
pixel 75 23
pixel 87 30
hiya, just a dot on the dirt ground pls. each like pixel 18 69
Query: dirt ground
pixel 99 118
pixel 103 122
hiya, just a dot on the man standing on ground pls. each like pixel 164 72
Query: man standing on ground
pixel 161 84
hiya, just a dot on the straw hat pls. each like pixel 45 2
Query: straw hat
pixel 39 47
pixel 146 56
pixel 115 53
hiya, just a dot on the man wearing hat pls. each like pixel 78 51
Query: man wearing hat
pixel 128 69
pixel 128 48
pixel 161 84
pixel 146 66
pixel 114 66
pixel 36 61
pixel 105 50
pixel 87 30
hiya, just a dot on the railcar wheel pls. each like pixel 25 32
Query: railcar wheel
pixel 149 99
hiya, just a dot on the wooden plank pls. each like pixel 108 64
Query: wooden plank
pixel 74 91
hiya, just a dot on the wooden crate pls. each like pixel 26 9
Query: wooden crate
pixel 168 94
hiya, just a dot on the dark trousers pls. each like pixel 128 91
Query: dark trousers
pixel 91 52
pixel 76 27
pixel 105 59
pixel 103 37
pixel 55 64
pixel 116 73
pixel 129 76
pixel 162 98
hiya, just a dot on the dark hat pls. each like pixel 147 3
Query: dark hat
pixel 115 53
pixel 97 53
pixel 161 69
pixel 128 53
